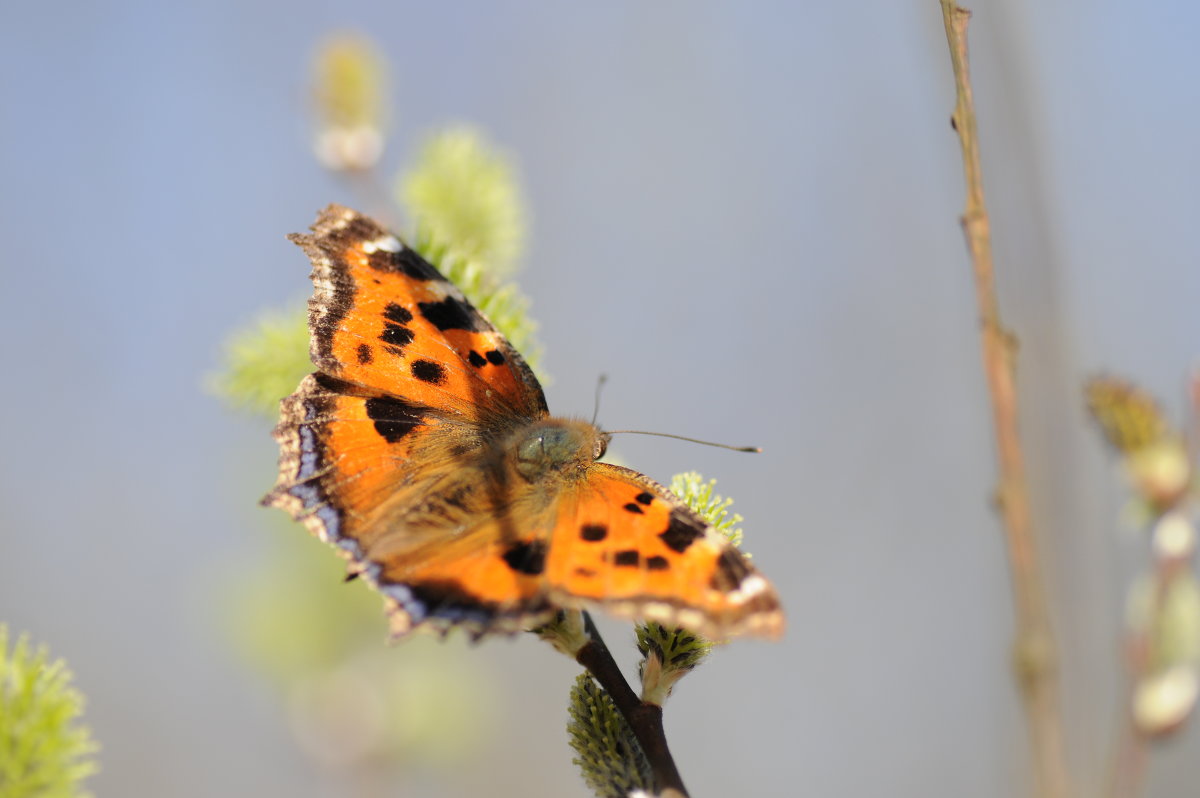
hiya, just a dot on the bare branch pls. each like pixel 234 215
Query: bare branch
pixel 1035 654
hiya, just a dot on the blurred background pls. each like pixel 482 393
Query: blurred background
pixel 745 214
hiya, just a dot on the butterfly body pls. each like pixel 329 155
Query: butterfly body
pixel 556 449
pixel 423 448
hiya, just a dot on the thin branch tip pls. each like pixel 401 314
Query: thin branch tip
pixel 1034 649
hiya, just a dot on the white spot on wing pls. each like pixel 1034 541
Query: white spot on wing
pixel 753 585
pixel 387 243
pixel 440 290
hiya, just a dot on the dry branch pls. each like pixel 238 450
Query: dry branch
pixel 1035 654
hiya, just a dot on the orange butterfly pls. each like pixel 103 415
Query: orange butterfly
pixel 423 448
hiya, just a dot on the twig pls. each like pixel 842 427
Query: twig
pixel 645 720
pixel 1129 763
pixel 1128 766
pixel 1127 773
pixel 1035 655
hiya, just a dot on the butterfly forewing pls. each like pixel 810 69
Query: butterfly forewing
pixel 383 318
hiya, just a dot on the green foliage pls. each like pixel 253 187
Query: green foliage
pixel 464 194
pixel 608 754
pixel 423 705
pixel 466 204
pixel 295 616
pixel 44 751
pixel 700 496
pixel 352 701
pixel 667 656
pixel 565 632
pixel 265 362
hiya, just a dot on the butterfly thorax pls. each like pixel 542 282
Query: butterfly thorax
pixel 554 446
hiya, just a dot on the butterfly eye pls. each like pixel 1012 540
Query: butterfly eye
pixel 601 446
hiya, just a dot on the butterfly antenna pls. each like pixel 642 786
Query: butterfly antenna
pixel 596 405
pixel 683 438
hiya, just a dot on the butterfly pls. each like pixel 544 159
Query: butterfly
pixel 423 449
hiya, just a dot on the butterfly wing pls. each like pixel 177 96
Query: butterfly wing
pixel 387 450
pixel 385 319
pixel 625 542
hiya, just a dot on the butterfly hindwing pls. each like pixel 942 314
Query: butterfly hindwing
pixel 486 578
pixel 343 453
pixel 622 540
pixel 388 482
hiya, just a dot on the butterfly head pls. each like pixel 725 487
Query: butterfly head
pixel 557 445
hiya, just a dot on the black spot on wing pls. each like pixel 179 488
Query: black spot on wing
pixel 364 354
pixel 397 314
pixel 634 508
pixel 527 557
pixel 477 360
pixel 406 262
pixel 496 357
pixel 682 531
pixel 644 497
pixel 593 532
pixel 586 573
pixel 394 418
pixel 428 371
pixel 628 557
pixel 732 568
pixel 396 335
pixel 452 314
pixel 657 563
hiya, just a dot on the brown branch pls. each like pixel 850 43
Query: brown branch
pixel 1035 656
pixel 645 720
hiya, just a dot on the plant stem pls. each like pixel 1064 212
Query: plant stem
pixel 1035 654
pixel 645 720
pixel 1128 765
pixel 1127 773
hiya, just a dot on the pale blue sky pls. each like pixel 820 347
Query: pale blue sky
pixel 746 214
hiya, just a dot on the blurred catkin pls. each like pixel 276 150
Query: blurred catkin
pixel 45 751
pixel 350 97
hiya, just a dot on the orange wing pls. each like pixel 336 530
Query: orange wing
pixel 398 451
pixel 385 319
pixel 624 541
pixel 387 450
pixel 384 481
